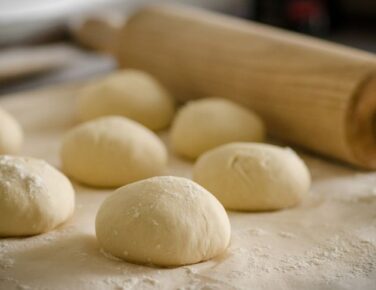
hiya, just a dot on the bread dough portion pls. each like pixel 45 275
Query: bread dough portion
pixel 112 151
pixel 11 136
pixel 205 124
pixel 166 221
pixel 129 93
pixel 254 177
pixel 34 196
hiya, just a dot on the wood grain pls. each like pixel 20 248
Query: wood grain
pixel 99 32
pixel 309 92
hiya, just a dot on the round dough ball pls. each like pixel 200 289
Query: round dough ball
pixel 111 152
pixel 166 221
pixel 129 93
pixel 255 177
pixel 205 124
pixel 34 196
pixel 11 136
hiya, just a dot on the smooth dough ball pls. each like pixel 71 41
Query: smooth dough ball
pixel 251 176
pixel 166 221
pixel 205 124
pixel 112 151
pixel 11 136
pixel 129 93
pixel 34 196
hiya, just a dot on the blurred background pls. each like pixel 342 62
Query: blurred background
pixel 45 42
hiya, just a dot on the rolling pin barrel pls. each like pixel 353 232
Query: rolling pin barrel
pixel 310 92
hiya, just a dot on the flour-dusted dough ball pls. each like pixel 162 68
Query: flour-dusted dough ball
pixel 112 151
pixel 205 124
pixel 34 196
pixel 11 135
pixel 166 221
pixel 130 93
pixel 251 176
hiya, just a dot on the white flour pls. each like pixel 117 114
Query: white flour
pixel 12 172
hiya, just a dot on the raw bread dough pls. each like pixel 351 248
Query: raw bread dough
pixel 166 221
pixel 11 135
pixel 130 93
pixel 251 176
pixel 328 242
pixel 205 124
pixel 34 196
pixel 112 151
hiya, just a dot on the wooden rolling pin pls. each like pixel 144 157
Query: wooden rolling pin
pixel 311 93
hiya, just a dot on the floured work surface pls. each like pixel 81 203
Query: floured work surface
pixel 328 242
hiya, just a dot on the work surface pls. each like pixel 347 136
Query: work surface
pixel 328 242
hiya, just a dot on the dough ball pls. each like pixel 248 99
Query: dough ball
pixel 11 136
pixel 34 196
pixel 205 124
pixel 112 151
pixel 129 93
pixel 251 176
pixel 166 221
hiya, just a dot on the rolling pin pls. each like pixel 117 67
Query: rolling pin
pixel 310 93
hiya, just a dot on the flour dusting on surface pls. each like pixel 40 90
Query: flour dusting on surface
pixel 328 242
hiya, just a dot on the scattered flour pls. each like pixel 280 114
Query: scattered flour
pixel 257 232
pixel 352 258
pixel 13 171
pixel 5 261
pixel 190 270
pixel 108 255
pixel 120 283
pixel 287 235
pixel 19 286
